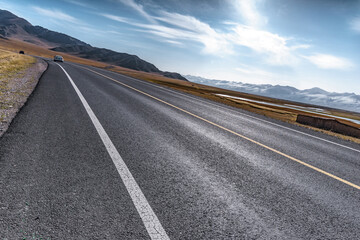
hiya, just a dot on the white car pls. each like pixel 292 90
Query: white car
pixel 58 58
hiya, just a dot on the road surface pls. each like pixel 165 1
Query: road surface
pixel 97 155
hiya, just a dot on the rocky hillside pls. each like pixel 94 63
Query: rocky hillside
pixel 108 56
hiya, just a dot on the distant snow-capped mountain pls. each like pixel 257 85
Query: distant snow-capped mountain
pixel 315 96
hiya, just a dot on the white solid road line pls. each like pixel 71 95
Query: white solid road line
pixel 149 218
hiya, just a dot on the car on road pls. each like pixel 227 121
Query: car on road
pixel 21 52
pixel 58 58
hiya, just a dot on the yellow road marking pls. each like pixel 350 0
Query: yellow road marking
pixel 235 133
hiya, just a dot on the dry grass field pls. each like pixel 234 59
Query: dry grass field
pixel 19 75
pixel 12 63
pixel 276 112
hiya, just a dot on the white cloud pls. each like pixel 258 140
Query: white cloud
pixel 139 8
pixel 190 28
pixel 301 46
pixel 249 12
pixel 182 28
pixel 56 14
pixel 79 3
pixel 116 18
pixel 250 74
pixel 95 31
pixel 254 71
pixel 170 27
pixel 274 47
pixel 174 42
pixel 326 61
pixel 186 22
pixel 355 24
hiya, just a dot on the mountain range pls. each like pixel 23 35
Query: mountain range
pixel 14 27
pixel 313 96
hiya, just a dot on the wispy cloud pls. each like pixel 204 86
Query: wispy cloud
pixel 139 8
pixel 182 28
pixel 326 61
pixel 249 12
pixel 116 18
pixel 301 46
pixel 189 28
pixel 252 74
pixel 254 71
pixel 274 47
pixel 79 3
pixel 355 24
pixel 174 42
pixel 183 21
pixel 55 14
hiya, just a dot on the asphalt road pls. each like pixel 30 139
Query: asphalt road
pixel 193 168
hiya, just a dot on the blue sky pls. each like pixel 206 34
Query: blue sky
pixel 305 44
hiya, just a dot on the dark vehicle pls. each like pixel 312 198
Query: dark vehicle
pixel 58 58
pixel 21 52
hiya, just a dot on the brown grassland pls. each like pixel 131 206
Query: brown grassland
pixel 11 64
pixel 15 84
pixel 283 114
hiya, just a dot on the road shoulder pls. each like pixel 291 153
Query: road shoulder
pixel 15 92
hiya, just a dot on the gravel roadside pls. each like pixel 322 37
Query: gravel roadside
pixel 16 91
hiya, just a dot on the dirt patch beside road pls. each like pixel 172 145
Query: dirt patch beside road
pixel 16 84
